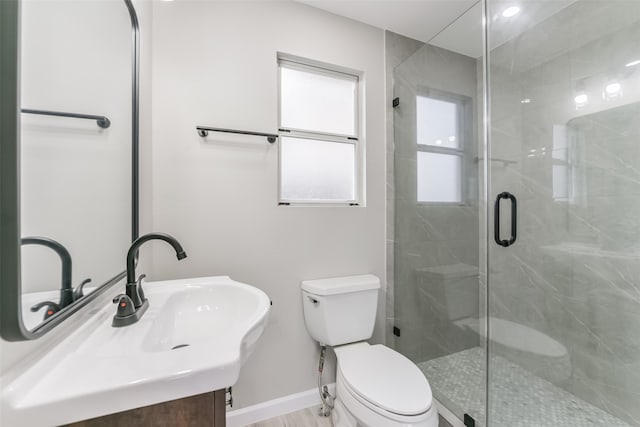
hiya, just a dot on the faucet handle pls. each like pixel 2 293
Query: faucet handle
pixel 78 293
pixel 140 291
pixel 125 305
pixel 52 309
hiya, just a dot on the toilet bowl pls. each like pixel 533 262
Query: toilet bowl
pixel 378 387
pixel 375 385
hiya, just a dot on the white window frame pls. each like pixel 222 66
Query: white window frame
pixel 570 164
pixel 463 109
pixel 292 62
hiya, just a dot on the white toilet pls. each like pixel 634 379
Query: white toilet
pixel 375 385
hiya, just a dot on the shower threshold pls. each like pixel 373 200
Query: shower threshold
pixel 518 398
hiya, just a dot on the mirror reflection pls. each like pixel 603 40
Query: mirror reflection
pixel 76 143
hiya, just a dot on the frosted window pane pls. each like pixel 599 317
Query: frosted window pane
pixel 313 170
pixel 560 182
pixel 317 103
pixel 560 143
pixel 439 177
pixel 437 122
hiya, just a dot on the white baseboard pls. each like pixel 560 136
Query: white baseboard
pixel 448 415
pixel 275 408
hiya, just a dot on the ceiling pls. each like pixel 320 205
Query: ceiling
pixel 418 19
pixel 455 25
pixel 464 35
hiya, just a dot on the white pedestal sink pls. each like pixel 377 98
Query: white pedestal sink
pixel 193 339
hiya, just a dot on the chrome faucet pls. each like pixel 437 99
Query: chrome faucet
pixel 132 304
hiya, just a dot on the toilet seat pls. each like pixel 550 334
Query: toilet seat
pixel 384 380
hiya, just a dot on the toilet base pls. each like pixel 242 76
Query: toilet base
pixel 350 412
pixel 341 417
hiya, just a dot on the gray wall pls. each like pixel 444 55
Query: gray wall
pixel 397 49
pixel 435 265
pixel 214 63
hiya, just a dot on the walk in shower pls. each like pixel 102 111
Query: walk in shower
pixel 515 240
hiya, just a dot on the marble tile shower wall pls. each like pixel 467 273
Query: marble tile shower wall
pixel 574 274
pixel 436 246
pixel 397 49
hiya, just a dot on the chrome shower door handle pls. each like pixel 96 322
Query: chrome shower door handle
pixel 514 219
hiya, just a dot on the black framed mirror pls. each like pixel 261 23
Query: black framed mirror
pixel 69 128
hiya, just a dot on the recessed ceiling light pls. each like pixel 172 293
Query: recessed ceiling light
pixel 633 63
pixel 511 11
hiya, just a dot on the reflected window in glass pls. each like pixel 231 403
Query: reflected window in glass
pixel 440 162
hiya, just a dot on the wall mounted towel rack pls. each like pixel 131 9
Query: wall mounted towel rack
pixel 101 121
pixel 204 131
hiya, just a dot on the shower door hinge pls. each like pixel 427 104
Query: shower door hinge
pixel 469 421
pixel 396 331
pixel 396 102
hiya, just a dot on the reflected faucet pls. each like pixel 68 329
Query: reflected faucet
pixel 67 294
pixel 52 308
pixel 66 288
pixel 132 304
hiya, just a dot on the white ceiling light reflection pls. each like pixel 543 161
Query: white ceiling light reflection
pixel 633 63
pixel 511 11
pixel 525 101
pixel 581 100
pixel 612 90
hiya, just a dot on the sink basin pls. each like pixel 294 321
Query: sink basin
pixel 193 339
pixel 198 315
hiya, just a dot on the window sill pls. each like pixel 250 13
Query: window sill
pixel 320 204
pixel 443 204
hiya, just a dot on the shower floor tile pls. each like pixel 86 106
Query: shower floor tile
pixel 518 398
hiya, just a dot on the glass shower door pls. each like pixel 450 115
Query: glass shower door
pixel 564 268
pixel 437 291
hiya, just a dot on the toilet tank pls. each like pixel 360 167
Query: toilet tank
pixel 340 310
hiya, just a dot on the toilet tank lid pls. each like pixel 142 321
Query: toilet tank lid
pixel 341 285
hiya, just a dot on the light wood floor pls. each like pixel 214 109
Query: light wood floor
pixel 305 418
